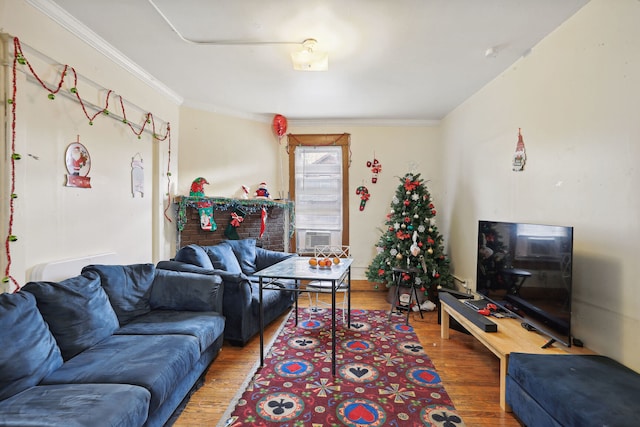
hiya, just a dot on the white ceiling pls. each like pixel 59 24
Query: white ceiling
pixel 389 60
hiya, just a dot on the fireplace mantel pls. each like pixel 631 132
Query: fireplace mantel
pixel 279 225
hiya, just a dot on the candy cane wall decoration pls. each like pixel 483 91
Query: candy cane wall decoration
pixel 363 192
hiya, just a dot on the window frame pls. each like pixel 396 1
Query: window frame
pixel 309 140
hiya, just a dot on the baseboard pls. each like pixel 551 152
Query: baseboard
pixel 365 285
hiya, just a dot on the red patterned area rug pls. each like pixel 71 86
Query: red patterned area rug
pixel 383 377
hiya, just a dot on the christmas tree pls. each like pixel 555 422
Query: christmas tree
pixel 411 239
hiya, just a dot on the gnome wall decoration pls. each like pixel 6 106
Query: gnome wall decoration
pixel 520 156
pixel 197 187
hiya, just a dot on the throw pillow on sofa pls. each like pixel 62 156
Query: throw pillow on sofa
pixel 194 254
pixel 223 258
pixel 180 291
pixel 245 252
pixel 29 351
pixel 128 288
pixel 77 311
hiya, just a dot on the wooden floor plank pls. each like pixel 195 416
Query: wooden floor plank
pixel 468 370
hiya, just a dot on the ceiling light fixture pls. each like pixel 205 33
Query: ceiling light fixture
pixel 306 59
pixel 309 58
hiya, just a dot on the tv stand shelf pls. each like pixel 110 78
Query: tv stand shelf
pixel 510 337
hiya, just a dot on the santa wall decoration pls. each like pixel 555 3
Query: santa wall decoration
pixel 78 164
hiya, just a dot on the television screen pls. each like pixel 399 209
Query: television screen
pixel 526 268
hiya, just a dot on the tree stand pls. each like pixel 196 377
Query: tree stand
pixel 398 274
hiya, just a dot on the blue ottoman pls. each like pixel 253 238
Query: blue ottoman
pixel 572 390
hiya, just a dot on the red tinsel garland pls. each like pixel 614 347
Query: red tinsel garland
pixel 19 58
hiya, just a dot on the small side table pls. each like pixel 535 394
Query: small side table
pixel 413 292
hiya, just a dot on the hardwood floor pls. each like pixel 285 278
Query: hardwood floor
pixel 468 370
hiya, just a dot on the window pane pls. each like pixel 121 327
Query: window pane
pixel 318 190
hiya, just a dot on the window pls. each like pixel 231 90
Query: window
pixel 318 183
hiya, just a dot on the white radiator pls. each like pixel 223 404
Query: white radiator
pixel 55 271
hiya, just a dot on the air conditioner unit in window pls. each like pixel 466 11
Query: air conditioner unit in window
pixel 317 238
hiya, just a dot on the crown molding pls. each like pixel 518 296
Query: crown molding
pixel 203 106
pixel 370 122
pixel 267 118
pixel 82 32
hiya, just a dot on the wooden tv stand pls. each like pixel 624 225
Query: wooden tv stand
pixel 510 337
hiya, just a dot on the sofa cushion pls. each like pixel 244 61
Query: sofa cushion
pixel 128 287
pixel 77 311
pixel 194 254
pixel 245 252
pixel 205 326
pixel 223 258
pixel 90 405
pixel 29 351
pixel 155 362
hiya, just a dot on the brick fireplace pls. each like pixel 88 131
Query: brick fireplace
pixel 279 224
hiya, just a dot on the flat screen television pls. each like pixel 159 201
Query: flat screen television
pixel 526 269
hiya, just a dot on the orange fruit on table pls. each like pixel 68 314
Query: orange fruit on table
pixel 327 262
pixel 313 262
pixel 336 260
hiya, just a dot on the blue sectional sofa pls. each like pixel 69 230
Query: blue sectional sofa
pixel 236 261
pixel 554 390
pixel 114 346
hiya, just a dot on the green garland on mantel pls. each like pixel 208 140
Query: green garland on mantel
pixel 251 206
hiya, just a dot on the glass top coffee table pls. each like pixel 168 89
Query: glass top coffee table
pixel 299 269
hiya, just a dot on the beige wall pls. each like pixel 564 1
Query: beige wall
pixel 400 150
pixel 54 222
pixel 577 99
pixel 230 151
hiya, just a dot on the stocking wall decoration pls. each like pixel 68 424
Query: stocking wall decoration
pixel 205 207
pixel 237 216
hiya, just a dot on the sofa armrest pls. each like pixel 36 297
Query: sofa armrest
pixel 186 291
pixel 237 290
pixel 266 257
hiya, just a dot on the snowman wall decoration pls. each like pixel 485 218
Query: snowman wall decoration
pixel 262 192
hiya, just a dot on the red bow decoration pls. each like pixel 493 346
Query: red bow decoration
pixel 236 219
pixel 402 235
pixel 410 185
